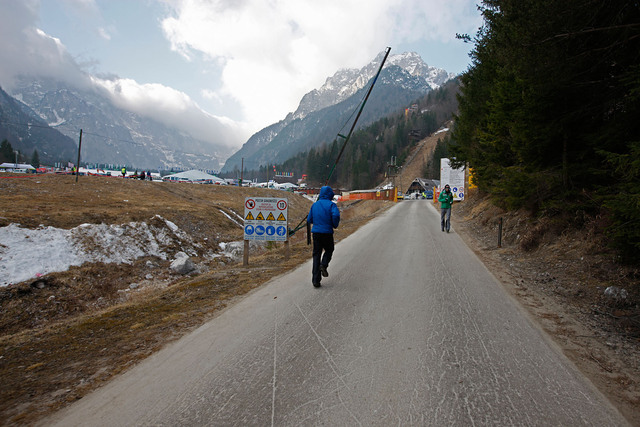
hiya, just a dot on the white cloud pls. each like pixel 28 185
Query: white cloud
pixel 104 33
pixel 173 108
pixel 274 52
pixel 27 50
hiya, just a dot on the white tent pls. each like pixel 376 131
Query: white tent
pixel 194 176
pixel 16 167
pixel 286 186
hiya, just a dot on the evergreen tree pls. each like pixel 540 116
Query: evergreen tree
pixel 6 152
pixel 549 100
pixel 35 159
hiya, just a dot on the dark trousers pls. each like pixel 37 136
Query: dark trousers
pixel 321 242
pixel 445 219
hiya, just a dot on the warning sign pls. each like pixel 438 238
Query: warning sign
pixel 260 221
pixel 453 177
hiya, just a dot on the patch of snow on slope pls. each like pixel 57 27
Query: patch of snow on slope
pixel 28 253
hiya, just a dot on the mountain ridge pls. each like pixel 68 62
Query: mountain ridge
pixel 114 135
pixel 27 132
pixel 332 104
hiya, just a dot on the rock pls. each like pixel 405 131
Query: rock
pixel 182 264
pixel 149 276
pixel 134 286
pixel 615 293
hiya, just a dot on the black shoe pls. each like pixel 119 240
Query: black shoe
pixel 316 284
pixel 323 271
pixel 447 230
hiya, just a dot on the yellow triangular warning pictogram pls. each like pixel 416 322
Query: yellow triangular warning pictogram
pixel 270 217
pixel 281 217
pixel 260 217
pixel 249 217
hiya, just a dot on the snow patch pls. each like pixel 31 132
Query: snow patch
pixel 28 253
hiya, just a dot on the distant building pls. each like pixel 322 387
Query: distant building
pixel 17 167
pixel 421 185
pixel 194 176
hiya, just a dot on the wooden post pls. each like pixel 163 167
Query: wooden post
pixel 500 233
pixel 245 256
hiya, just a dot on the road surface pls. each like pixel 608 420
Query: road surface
pixel 409 329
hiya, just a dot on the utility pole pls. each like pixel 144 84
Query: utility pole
pixel 392 170
pixel 78 164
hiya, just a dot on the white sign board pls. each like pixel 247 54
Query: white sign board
pixel 265 219
pixel 453 177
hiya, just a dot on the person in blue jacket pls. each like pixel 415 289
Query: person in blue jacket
pixel 324 215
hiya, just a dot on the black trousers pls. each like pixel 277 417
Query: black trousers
pixel 321 242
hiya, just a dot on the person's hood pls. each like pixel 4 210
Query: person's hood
pixel 326 193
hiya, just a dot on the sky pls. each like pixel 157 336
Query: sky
pixel 221 69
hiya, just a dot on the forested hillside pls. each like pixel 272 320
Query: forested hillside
pixel 369 150
pixel 549 108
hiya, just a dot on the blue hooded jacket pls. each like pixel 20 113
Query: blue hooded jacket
pixel 324 214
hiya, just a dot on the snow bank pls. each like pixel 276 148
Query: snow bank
pixel 27 253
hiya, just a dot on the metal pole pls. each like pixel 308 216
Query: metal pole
pixel 78 164
pixel 346 138
pixel 242 172
pixel 245 255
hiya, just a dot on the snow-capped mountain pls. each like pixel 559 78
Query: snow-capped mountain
pixel 112 135
pixel 27 132
pixel 323 111
pixel 348 81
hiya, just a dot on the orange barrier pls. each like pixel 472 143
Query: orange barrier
pixel 390 194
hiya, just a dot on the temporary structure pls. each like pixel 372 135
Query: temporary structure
pixel 194 176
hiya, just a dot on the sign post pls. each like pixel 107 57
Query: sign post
pixel 266 220
pixel 453 177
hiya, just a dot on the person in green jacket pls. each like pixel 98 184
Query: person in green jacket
pixel 446 200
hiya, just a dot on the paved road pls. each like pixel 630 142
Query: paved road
pixel 409 329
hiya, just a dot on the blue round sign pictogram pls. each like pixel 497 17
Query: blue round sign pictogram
pixel 281 231
pixel 248 229
pixel 461 195
pixel 455 189
pixel 259 230
pixel 271 230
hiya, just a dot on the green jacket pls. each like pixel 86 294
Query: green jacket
pixel 446 200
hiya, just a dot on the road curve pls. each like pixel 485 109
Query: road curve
pixel 410 328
